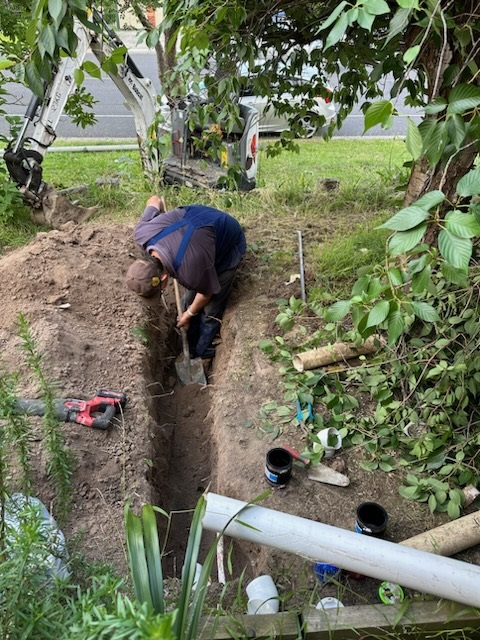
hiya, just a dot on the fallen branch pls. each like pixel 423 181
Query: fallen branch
pixel 449 538
pixel 315 358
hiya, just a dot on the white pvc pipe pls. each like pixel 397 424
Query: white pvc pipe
pixel 93 147
pixel 419 570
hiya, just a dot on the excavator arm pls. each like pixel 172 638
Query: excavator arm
pixel 187 164
pixel 25 154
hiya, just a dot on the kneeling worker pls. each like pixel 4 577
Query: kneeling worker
pixel 199 246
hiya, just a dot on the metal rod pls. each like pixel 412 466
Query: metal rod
pixel 302 269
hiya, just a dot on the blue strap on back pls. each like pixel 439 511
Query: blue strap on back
pixel 183 244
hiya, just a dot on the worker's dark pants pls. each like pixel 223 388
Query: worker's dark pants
pixel 205 326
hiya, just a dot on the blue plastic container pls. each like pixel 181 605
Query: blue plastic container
pixel 325 572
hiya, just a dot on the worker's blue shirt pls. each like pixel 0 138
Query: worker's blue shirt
pixel 213 242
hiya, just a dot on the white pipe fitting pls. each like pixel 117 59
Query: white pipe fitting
pixel 262 596
pixel 331 440
pixel 380 559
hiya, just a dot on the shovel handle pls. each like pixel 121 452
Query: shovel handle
pixel 183 332
pixel 296 454
pixel 177 297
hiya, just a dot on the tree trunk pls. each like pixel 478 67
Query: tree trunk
pixel 423 178
pixel 445 178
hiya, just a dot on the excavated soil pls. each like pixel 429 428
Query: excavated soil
pixel 171 443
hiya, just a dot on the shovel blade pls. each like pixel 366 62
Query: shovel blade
pixel 190 371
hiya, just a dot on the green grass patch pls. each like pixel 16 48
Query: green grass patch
pixel 354 162
pixel 339 259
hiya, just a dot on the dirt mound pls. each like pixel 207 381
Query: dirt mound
pixel 171 443
pixel 69 286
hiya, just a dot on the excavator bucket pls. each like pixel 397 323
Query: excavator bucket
pixel 56 210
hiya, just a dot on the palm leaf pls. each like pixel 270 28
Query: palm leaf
pixel 154 563
pixel 136 556
pixel 189 568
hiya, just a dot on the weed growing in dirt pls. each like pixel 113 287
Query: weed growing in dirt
pixel 60 461
pixel 141 334
pixel 15 442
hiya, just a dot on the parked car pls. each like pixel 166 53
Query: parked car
pixel 270 120
pixel 273 122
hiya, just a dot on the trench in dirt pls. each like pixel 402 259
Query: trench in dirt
pixel 183 456
pixel 188 441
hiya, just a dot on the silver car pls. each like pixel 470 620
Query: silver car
pixel 272 122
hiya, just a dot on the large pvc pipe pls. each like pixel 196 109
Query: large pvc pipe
pixel 419 570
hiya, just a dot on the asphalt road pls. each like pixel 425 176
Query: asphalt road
pixel 114 120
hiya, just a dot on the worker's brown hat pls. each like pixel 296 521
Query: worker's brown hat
pixel 144 277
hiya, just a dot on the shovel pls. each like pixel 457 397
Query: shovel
pixel 189 371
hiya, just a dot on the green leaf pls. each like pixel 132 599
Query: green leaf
pixel 61 38
pixel 6 64
pixel 441 496
pixel 136 556
pixel 454 275
pixel 46 40
pixel 386 466
pixel 57 9
pixel 338 310
pixel 436 106
pixel 152 38
pixel 333 16
pixel 369 466
pixel 337 32
pixel 365 19
pixel 34 79
pixel 425 311
pixel 463 225
pixel 413 140
pixel 396 325
pixel 469 184
pixel 421 280
pixel 403 241
pixel 190 562
pixel 406 219
pixel 412 479
pixel 411 53
pixel 378 113
pixel 453 510
pixel 92 69
pixel 376 7
pixel 31 33
pixel 395 276
pixel 152 551
pixel 360 285
pixel 457 131
pixel 430 200
pixel 435 141
pixel 398 23
pixel 432 503
pixel 456 251
pixel 79 76
pixel 456 496
pixel 463 97
pixel 410 493
pixel 378 314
